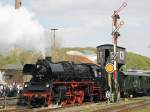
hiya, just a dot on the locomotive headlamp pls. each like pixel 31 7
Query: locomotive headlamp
pixel 26 85
pixel 47 85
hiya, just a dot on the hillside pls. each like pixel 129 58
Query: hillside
pixel 133 60
pixel 19 56
pixel 136 61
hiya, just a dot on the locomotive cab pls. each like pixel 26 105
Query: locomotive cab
pixel 105 55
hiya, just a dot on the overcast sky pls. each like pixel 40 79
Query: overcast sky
pixel 88 22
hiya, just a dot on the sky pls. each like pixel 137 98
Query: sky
pixel 83 23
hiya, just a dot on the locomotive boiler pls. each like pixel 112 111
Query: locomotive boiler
pixel 62 83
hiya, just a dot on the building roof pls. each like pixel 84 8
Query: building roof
pixel 109 45
pixel 137 74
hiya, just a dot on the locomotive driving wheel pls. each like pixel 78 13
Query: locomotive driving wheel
pixel 91 98
pixel 63 103
pixel 49 100
pixel 72 100
pixel 80 97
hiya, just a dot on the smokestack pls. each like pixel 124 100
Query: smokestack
pixel 18 4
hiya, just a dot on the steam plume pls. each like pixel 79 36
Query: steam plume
pixel 20 28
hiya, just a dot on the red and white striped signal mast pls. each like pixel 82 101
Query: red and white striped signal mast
pixel 115 34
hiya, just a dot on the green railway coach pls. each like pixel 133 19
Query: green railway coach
pixel 134 84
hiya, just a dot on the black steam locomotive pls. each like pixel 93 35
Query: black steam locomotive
pixel 62 83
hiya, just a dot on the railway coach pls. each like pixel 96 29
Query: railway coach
pixel 134 84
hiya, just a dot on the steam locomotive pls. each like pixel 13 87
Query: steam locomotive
pixel 62 83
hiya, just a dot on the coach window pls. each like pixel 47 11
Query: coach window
pixel 148 80
pixel 107 55
pixel 140 80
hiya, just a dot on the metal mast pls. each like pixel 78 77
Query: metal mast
pixel 115 35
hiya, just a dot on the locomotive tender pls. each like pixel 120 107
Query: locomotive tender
pixel 62 83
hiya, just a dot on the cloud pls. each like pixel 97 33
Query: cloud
pixel 20 28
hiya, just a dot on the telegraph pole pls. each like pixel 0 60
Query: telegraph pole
pixel 53 32
pixel 115 35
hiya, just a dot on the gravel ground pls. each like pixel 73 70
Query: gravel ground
pixel 94 107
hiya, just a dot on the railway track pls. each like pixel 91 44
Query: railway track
pixel 88 107
pixel 125 108
pixel 103 107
